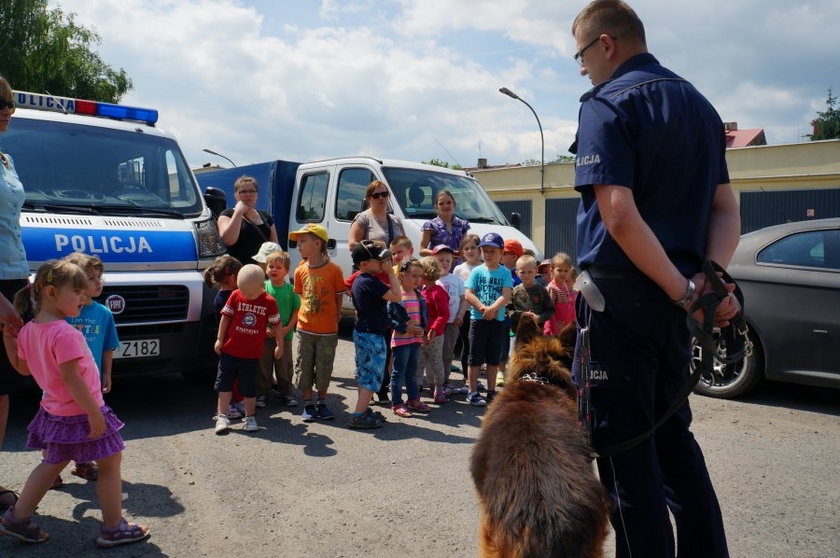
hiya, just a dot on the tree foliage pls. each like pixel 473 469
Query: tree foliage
pixel 827 123
pixel 557 159
pixel 444 164
pixel 45 50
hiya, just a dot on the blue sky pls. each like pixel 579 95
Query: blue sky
pixel 419 79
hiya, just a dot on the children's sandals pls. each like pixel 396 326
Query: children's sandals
pixel 401 411
pixel 417 405
pixel 124 533
pixel 24 530
pixel 87 470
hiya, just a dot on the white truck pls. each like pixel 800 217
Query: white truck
pixel 331 192
pixel 100 178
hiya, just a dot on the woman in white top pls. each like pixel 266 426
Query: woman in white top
pixel 375 223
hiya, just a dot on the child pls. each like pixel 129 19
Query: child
pixel 544 273
pixel 562 295
pixel 73 421
pixel 408 318
pixel 277 265
pixel 401 248
pixel 437 307
pixel 96 323
pixel 528 297
pixel 320 284
pixel 512 251
pixel 454 287
pixel 488 292
pixel 472 259
pixel 370 296
pixel 223 273
pixel 239 343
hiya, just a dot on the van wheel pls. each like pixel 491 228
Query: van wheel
pixel 729 380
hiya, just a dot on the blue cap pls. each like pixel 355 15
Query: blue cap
pixel 492 239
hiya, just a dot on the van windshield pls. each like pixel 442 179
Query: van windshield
pixel 415 191
pixel 69 168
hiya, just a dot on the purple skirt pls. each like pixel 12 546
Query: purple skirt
pixel 66 438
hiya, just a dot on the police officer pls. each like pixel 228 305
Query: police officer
pixel 656 202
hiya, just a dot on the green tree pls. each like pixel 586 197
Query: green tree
pixel 557 159
pixel 444 164
pixel 45 50
pixel 827 123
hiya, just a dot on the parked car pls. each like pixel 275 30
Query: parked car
pixel 790 277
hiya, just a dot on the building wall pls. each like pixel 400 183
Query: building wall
pixel 765 168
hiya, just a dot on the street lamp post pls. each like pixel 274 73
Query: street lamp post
pixel 513 95
pixel 211 152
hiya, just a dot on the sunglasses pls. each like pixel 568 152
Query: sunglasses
pixel 378 195
pixel 7 104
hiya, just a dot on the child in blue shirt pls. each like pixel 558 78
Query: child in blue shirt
pixel 488 292
pixel 96 322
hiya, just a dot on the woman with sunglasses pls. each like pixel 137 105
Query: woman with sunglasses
pixel 375 223
pixel 244 228
pixel 14 270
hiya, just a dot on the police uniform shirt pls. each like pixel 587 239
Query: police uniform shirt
pixel 648 129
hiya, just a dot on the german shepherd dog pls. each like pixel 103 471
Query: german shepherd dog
pixel 532 464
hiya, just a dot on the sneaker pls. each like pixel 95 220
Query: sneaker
pixel 262 401
pixel 500 378
pixel 222 424
pixel 234 412
pixel 365 421
pixel 240 405
pixel 376 414
pixel 440 397
pixel 251 424
pixel 289 401
pixel 490 396
pixel 309 414
pixel 24 530
pixel 463 390
pixel 324 412
pixel 124 533
pixel 476 400
pixel 480 386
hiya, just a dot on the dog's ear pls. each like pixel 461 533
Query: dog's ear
pixel 527 330
pixel 568 337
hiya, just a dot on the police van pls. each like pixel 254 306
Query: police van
pixel 100 178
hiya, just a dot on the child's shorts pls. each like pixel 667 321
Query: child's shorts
pixel 487 341
pixel 230 368
pixel 64 438
pixel 371 354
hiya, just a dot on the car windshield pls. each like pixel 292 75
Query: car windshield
pixel 69 168
pixel 415 191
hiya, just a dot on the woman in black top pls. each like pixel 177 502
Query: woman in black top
pixel 244 228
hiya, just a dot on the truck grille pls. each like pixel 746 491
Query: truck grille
pixel 144 304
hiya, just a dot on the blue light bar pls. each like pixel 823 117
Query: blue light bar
pixel 38 101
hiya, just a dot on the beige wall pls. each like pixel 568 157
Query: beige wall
pixel 795 166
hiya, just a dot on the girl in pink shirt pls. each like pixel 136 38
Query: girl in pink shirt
pixel 73 422
pixel 561 293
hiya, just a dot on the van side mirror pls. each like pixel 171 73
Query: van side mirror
pixel 216 200
pixel 516 220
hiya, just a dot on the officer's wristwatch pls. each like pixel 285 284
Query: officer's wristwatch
pixel 689 294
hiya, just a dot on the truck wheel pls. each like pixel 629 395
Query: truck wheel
pixel 732 380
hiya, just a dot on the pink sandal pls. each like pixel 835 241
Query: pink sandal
pixel 417 405
pixel 401 411
pixel 124 533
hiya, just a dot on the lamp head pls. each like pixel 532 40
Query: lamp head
pixel 509 93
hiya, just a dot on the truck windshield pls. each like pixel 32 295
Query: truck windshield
pixel 415 191
pixel 69 168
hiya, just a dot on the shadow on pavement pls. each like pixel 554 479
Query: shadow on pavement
pixel 793 396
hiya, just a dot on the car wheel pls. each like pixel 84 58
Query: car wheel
pixel 728 380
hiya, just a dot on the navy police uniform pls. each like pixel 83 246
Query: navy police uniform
pixel 649 130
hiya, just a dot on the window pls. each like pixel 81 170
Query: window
pixel 808 249
pixel 313 198
pixel 350 198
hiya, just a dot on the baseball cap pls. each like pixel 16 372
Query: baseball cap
pixel 492 239
pixel 442 248
pixel 265 249
pixel 543 264
pixel 311 228
pixel 514 247
pixel 369 250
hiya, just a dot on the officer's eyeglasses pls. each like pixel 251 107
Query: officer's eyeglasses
pixel 579 54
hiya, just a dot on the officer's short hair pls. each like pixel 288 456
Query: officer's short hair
pixel 613 17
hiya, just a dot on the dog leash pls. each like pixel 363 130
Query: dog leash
pixel 736 333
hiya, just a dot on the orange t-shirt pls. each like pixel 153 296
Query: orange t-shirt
pixel 318 287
